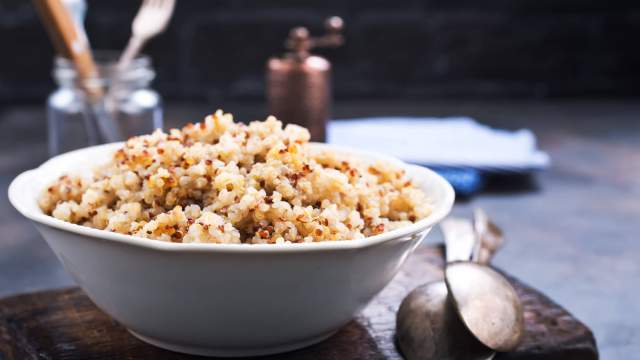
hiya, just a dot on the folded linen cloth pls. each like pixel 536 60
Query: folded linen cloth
pixel 459 148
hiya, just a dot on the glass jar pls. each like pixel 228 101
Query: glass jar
pixel 131 104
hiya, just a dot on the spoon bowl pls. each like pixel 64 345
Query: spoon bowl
pixel 429 327
pixel 487 304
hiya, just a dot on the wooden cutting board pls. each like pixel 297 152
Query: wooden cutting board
pixel 64 324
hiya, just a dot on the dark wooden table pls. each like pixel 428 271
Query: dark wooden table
pixel 65 324
pixel 571 231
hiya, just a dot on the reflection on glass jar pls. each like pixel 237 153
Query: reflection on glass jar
pixel 134 107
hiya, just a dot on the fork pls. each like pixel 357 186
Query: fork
pixel 151 20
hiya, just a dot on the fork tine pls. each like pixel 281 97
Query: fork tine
pixel 172 5
pixel 151 4
pixel 171 8
pixel 168 6
pixel 166 9
pixel 147 3
pixel 147 6
pixel 162 4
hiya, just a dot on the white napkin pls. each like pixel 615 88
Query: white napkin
pixel 455 141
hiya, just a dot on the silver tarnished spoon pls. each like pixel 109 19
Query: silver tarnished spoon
pixel 475 312
pixel 427 324
pixel 487 303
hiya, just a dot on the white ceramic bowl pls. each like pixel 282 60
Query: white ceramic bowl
pixel 225 299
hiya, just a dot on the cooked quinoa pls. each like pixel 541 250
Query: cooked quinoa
pixel 224 182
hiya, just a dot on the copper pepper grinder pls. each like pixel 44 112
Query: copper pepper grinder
pixel 299 83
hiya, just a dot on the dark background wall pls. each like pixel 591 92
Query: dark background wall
pixel 216 49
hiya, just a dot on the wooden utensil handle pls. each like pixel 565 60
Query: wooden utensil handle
pixel 68 42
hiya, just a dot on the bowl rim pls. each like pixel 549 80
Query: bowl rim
pixel 440 211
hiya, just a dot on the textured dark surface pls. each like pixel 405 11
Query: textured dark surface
pixel 216 50
pixel 571 231
pixel 64 324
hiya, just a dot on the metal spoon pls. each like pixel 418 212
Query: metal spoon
pixel 465 318
pixel 427 324
pixel 487 303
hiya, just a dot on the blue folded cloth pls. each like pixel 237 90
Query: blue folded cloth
pixel 465 181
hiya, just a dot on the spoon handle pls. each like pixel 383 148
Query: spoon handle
pixel 459 239
pixel 489 237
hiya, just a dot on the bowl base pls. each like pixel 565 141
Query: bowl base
pixel 232 352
